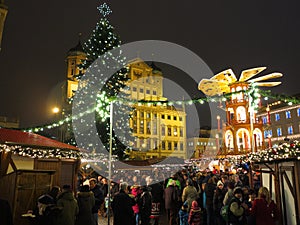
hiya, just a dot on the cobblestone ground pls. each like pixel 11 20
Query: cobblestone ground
pixel 104 220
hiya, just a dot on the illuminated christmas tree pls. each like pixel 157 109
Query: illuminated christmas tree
pixel 101 42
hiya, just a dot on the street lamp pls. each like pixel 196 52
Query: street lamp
pixel 56 111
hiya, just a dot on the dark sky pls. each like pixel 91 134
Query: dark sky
pixel 235 34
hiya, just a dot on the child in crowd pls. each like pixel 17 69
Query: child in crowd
pixel 183 214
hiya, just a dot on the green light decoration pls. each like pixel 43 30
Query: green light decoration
pixel 266 95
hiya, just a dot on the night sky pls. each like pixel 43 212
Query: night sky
pixel 235 34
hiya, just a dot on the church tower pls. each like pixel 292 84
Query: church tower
pixel 3 13
pixel 74 58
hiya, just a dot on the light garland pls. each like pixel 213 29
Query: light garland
pixel 124 101
pixel 35 152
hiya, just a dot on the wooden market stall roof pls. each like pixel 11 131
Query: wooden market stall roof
pixel 17 137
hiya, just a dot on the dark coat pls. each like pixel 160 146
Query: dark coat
pixel 99 198
pixel 218 200
pixel 86 201
pixel 69 209
pixel 122 209
pixel 236 213
pixel 172 198
pixel 5 213
pixel 209 192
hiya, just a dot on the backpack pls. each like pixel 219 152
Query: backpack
pixel 224 212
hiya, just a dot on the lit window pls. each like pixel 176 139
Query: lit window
pixel 298 112
pixel 277 117
pixel 288 114
pixel 279 132
pixel 267 133
pixel 290 130
pixel 264 120
pixel 175 131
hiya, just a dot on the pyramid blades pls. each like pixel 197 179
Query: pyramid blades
pixel 226 76
pixel 268 84
pixel 266 77
pixel 247 74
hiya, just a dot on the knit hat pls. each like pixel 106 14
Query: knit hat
pixel 220 183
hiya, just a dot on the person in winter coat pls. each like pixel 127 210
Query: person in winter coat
pixel 218 203
pixel 189 193
pixel 68 203
pixel 145 204
pixel 136 192
pixel 183 214
pixel 172 198
pixel 209 190
pixel 86 201
pixel 264 209
pixel 99 198
pixel 195 214
pixel 47 209
pixel 122 207
pixel 237 209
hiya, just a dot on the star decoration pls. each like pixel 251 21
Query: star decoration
pixel 104 9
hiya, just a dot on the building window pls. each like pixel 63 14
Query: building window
pixel 141 90
pixel 169 131
pixel 163 130
pixel 169 145
pixel 298 112
pixel 279 132
pixel 154 92
pixel 163 116
pixel 148 92
pixel 181 146
pixel 267 133
pixel 175 118
pixel 175 133
pixel 288 114
pixel 169 117
pixel 181 132
pixel 163 145
pixel 148 127
pixel 154 128
pixel 290 129
pixel 134 89
pixel 148 115
pixel 141 127
pixel 277 116
pixel 141 114
pixel 265 120
pixel 175 145
pixel 180 118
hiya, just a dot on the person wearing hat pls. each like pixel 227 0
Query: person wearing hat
pixel 218 202
pixel 237 209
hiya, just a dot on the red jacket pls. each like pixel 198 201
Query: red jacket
pixel 265 214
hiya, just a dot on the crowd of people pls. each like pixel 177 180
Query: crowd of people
pixel 184 197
